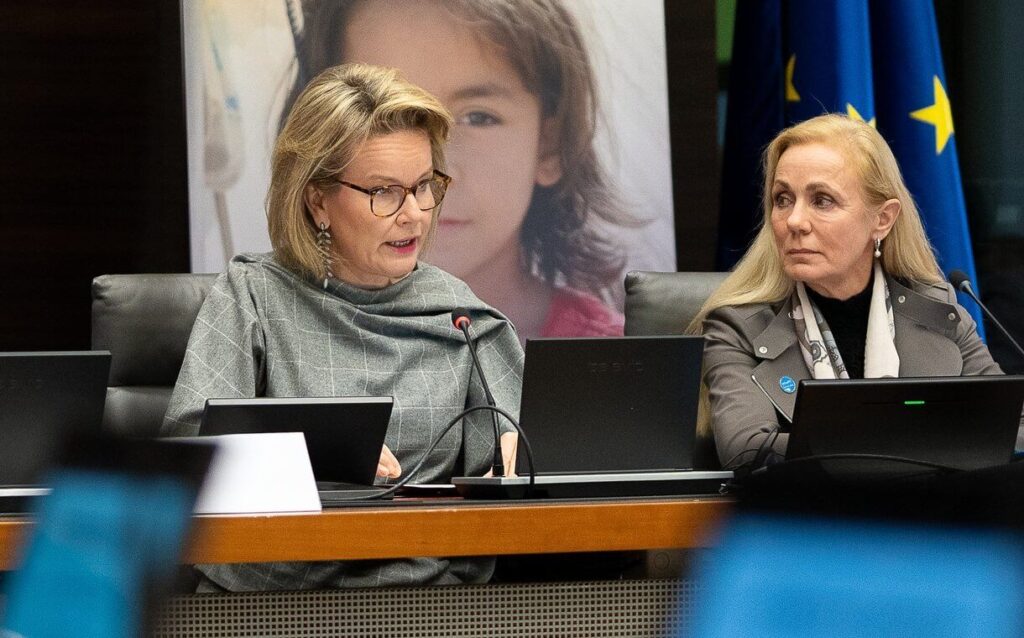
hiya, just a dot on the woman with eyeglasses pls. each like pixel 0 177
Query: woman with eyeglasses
pixel 344 307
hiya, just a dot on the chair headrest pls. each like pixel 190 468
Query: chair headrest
pixel 664 303
pixel 145 321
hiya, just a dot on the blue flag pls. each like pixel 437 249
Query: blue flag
pixel 874 60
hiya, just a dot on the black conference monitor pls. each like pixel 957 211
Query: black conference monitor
pixel 344 435
pixel 47 398
pixel 958 422
pixel 611 404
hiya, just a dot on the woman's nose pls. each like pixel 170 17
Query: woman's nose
pixel 799 218
pixel 410 210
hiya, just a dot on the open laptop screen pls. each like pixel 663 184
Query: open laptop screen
pixel 344 435
pixel 46 398
pixel 960 422
pixel 611 404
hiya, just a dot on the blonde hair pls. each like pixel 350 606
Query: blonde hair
pixel 759 276
pixel 334 115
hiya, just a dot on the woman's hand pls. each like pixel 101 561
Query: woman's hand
pixel 388 466
pixel 509 448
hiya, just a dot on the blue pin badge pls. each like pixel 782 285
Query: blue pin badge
pixel 787 384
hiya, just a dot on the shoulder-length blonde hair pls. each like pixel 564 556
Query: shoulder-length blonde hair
pixel 340 109
pixel 906 252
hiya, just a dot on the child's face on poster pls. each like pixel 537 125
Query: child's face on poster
pixel 501 147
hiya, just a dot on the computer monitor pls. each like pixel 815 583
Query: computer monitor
pixel 955 422
pixel 344 435
pixel 45 399
pixel 611 404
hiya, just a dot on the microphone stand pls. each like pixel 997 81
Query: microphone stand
pixel 498 467
pixel 965 287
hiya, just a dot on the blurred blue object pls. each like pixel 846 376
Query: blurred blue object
pixel 800 576
pixel 102 540
pixel 104 549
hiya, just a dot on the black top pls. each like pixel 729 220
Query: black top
pixel 848 320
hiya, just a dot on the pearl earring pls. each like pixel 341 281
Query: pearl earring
pixel 878 248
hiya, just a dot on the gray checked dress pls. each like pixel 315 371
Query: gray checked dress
pixel 264 331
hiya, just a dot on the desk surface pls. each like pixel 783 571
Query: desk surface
pixel 441 528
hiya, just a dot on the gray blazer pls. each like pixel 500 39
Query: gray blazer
pixel 750 348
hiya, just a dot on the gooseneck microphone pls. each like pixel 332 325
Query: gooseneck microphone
pixel 962 282
pixel 461 320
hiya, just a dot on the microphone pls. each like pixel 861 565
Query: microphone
pixel 461 321
pixel 962 282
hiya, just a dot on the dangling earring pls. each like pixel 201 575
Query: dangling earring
pixel 323 246
pixel 878 248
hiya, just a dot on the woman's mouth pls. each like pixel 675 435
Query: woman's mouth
pixel 403 246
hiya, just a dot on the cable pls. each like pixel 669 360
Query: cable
pixel 766 448
pixel 726 465
pixel 423 459
pixel 868 457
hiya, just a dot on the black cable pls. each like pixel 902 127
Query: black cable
pixel 726 465
pixel 423 459
pixel 498 465
pixel 766 447
pixel 771 436
pixel 852 456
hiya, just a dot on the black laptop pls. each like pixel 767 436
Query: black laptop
pixel 46 399
pixel 951 422
pixel 612 416
pixel 344 435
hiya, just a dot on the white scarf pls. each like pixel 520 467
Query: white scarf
pixel 818 345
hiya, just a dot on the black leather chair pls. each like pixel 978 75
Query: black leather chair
pixel 664 303
pixel 145 322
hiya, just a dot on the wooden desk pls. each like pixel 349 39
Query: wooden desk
pixel 441 528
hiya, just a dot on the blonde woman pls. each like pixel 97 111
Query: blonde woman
pixel 344 307
pixel 840 282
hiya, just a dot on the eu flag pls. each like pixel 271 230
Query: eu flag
pixel 874 60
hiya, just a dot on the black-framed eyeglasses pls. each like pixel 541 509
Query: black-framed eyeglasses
pixel 385 201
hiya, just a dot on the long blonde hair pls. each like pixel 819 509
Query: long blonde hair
pixel 340 109
pixel 759 276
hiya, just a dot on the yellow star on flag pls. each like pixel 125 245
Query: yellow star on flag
pixel 854 115
pixel 938 115
pixel 791 94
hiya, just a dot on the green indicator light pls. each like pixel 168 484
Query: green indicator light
pixel 913 403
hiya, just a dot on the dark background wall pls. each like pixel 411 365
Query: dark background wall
pixel 982 50
pixel 92 158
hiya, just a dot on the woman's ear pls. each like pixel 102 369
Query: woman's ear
pixel 887 217
pixel 314 199
pixel 549 160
